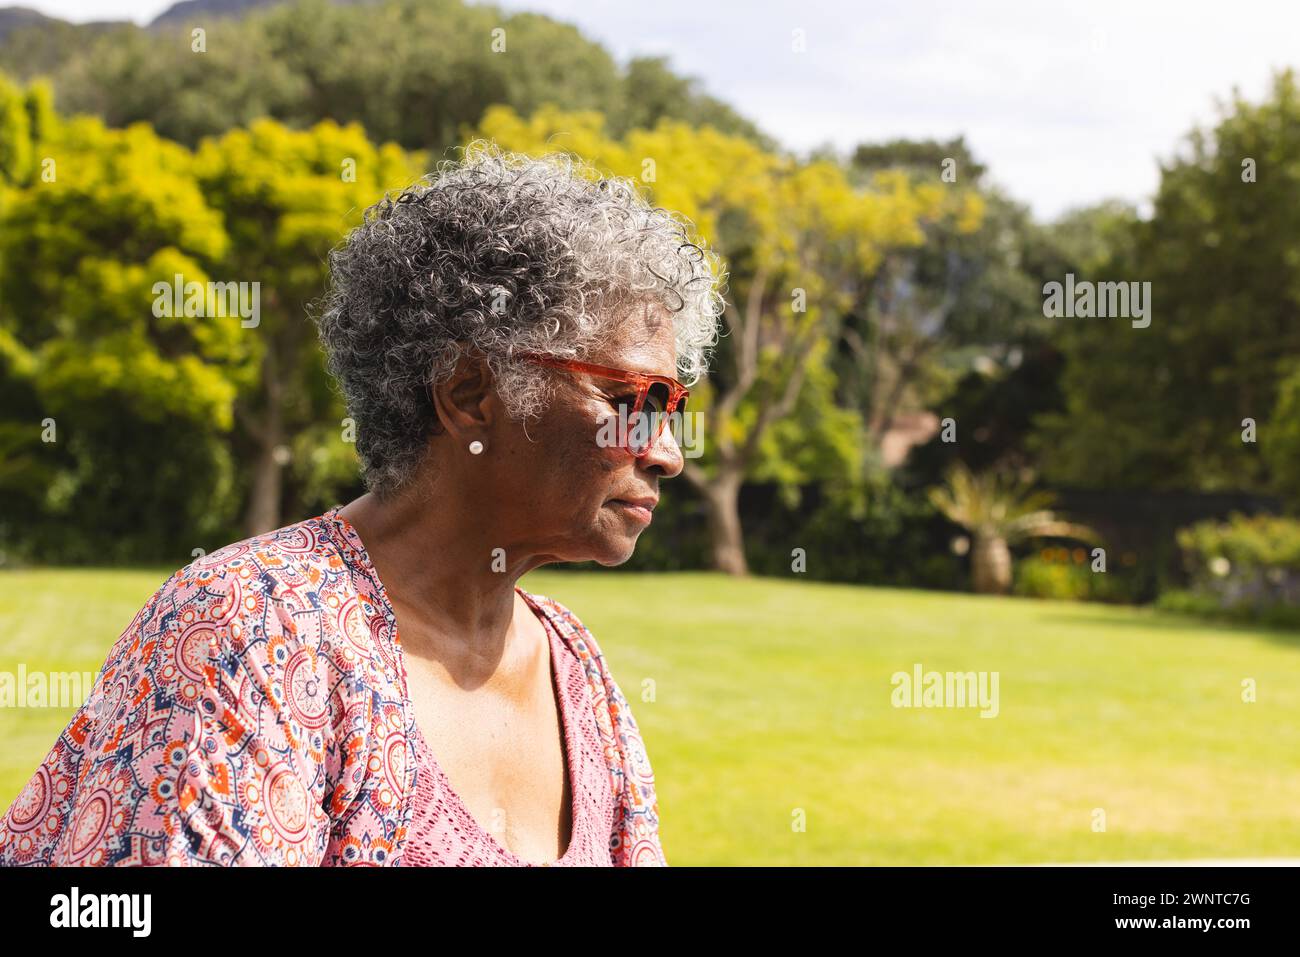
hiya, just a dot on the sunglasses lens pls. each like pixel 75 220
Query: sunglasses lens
pixel 645 428
pixel 656 402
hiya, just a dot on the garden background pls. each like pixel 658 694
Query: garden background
pixel 905 459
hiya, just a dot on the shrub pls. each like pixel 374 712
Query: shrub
pixel 1038 578
pixel 1184 602
pixel 1247 567
pixel 1066 574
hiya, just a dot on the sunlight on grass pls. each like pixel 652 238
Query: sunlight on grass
pixel 764 702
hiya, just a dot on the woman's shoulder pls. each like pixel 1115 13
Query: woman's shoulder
pixel 195 708
pixel 566 622
pixel 234 608
pixel 291 566
pixel 233 599
pixel 287 553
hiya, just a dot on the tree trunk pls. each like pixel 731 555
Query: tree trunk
pixel 264 497
pixel 268 466
pixel 991 565
pixel 722 498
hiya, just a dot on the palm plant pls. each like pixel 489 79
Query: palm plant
pixel 1000 509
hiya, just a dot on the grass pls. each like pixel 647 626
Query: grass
pixel 766 703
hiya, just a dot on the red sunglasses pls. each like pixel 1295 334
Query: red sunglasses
pixel 665 395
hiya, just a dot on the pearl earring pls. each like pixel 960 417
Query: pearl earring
pixel 475 447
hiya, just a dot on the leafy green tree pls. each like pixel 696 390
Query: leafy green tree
pixel 653 92
pixel 40 46
pixel 1164 406
pixel 417 72
pixel 23 470
pixel 286 198
pixel 161 422
pixel 999 509
pixel 1281 445
pixel 921 159
pixel 113 412
pixel 1011 353
pixel 965 295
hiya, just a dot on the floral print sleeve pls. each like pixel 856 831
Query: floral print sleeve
pixel 179 755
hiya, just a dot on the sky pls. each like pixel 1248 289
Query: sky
pixel 1067 103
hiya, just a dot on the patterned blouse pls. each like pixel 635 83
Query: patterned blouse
pixel 255 712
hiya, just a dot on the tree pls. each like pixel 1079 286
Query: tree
pixel 416 72
pixel 189 412
pixel 653 92
pixel 113 412
pixel 999 510
pixel 32 45
pixel 923 159
pixel 23 469
pixel 1165 406
pixel 1282 446
pixel 998 334
pixel 287 197
pixel 965 298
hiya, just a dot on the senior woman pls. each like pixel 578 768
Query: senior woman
pixel 370 686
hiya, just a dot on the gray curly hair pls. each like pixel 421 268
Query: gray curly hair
pixel 500 253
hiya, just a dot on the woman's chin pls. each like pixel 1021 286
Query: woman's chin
pixel 616 550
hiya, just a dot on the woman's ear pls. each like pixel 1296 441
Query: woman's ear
pixel 464 400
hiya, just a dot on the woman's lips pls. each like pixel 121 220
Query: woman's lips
pixel 639 512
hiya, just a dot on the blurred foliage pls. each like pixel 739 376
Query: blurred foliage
pixel 994 410
pixel 96 380
pixel 1000 508
pixel 1281 444
pixel 921 295
pixel 868 530
pixel 1246 568
pixel 415 72
pixel 1066 574
pixel 94 383
pixel 862 530
pixel 1248 544
pixel 1162 407
pixel 1201 605
pixel 286 198
pixel 1003 504
pixel 965 299
pixel 817 440
pixel 1038 578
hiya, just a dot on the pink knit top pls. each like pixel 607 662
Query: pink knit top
pixel 444 832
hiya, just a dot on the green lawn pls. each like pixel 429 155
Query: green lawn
pixel 767 701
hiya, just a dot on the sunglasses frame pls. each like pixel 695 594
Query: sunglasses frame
pixel 677 393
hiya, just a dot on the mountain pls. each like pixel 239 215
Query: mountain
pixel 32 43
pixel 189 11
pixel 13 18
pixel 178 14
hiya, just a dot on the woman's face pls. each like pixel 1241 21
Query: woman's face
pixel 560 490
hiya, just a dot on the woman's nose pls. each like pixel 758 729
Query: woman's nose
pixel 664 453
